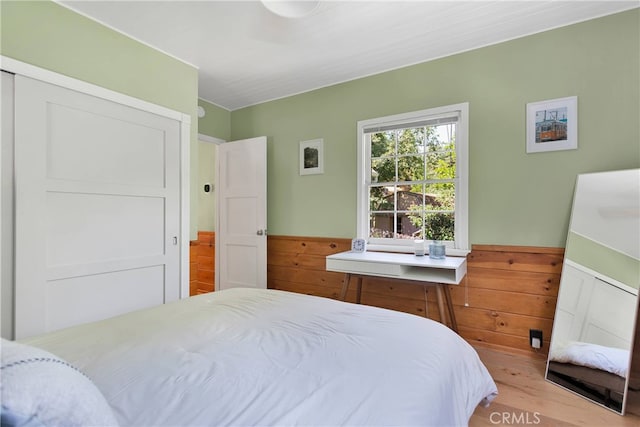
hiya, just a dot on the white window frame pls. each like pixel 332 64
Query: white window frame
pixel 460 247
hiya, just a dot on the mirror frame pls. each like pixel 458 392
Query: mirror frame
pixel 610 219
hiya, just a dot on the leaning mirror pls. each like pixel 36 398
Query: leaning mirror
pixel 595 320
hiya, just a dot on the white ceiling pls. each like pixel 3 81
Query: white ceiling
pixel 247 55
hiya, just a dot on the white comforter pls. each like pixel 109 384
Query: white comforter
pixel 247 357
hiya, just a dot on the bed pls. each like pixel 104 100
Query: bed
pixel 247 357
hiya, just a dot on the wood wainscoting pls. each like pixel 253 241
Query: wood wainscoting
pixel 507 291
pixel 202 254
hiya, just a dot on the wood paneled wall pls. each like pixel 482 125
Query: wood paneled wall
pixel 511 289
pixel 507 291
pixel 202 263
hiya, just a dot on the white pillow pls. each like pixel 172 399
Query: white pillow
pixel 40 389
pixel 610 359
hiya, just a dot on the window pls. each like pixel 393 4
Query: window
pixel 412 179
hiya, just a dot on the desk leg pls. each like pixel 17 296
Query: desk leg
pixel 452 315
pixel 345 286
pixel 359 290
pixel 439 297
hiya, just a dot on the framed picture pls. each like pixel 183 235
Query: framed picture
pixel 552 125
pixel 311 157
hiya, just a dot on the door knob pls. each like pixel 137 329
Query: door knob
pixel 260 232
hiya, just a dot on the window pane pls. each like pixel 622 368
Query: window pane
pixel 440 197
pixel 383 144
pixel 411 140
pixel 439 226
pixel 416 217
pixel 410 197
pixel 441 165
pixel 381 199
pixel 441 137
pixel 383 170
pixel 408 225
pixel 381 225
pixel 411 168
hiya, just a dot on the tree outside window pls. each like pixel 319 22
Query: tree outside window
pixel 412 190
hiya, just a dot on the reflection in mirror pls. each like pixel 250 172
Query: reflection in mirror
pixel 595 322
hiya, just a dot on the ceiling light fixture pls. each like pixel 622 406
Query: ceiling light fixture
pixel 291 8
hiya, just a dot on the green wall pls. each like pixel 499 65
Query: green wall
pixel 216 121
pixel 50 36
pixel 515 198
pixel 207 207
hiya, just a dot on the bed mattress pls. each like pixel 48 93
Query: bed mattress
pixel 247 357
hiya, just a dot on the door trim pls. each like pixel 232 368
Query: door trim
pixel 212 139
pixel 7 219
pixel 22 68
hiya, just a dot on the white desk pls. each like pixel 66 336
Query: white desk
pixel 431 272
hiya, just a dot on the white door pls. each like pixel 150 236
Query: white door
pixel 97 208
pixel 241 235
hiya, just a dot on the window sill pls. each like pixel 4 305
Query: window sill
pixel 409 250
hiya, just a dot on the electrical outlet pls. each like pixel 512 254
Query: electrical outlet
pixel 535 338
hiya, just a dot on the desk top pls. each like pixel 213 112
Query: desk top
pixel 400 259
pixel 449 270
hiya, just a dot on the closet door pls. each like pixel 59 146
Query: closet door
pixel 97 208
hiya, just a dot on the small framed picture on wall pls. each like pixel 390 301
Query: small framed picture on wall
pixel 312 157
pixel 552 125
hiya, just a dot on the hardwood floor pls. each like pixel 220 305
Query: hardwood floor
pixel 525 398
